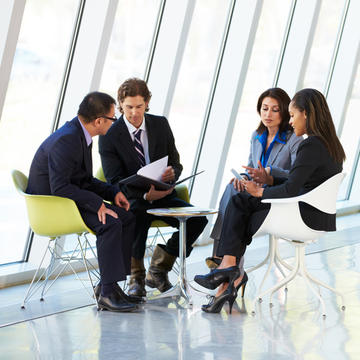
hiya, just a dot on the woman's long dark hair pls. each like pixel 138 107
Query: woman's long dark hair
pixel 283 100
pixel 319 120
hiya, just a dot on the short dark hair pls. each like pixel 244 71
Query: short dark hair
pixel 133 87
pixel 94 105
pixel 283 100
pixel 319 121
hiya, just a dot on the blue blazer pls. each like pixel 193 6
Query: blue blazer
pixel 282 156
pixel 62 166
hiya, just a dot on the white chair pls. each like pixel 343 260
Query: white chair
pixel 284 222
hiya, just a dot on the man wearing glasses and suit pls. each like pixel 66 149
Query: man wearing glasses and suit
pixel 134 140
pixel 62 166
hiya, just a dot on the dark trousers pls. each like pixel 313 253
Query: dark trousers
pixel 216 231
pixel 244 215
pixel 113 242
pixel 194 226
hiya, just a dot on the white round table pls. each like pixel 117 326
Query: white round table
pixel 181 288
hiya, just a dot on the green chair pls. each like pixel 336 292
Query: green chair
pixel 54 217
pixel 182 193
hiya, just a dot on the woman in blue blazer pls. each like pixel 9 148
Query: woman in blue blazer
pixel 319 157
pixel 273 143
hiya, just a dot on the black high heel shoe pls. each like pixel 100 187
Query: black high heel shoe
pixel 242 284
pixel 214 278
pixel 217 302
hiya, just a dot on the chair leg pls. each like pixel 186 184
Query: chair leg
pixel 279 285
pixel 30 290
pixel 86 266
pixel 300 269
pixel 274 258
pixel 286 280
pixel 49 269
pixel 280 259
pixel 304 274
pixel 319 283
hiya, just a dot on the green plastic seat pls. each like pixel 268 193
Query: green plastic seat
pixel 54 217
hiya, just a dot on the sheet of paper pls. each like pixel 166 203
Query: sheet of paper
pixel 155 169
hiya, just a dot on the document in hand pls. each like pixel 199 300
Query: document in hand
pixel 151 175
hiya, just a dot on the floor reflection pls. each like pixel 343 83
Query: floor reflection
pixel 163 329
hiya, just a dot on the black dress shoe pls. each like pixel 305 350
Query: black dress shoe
pixel 216 277
pixel 114 302
pixel 128 298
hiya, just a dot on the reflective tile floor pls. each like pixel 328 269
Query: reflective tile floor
pixel 292 329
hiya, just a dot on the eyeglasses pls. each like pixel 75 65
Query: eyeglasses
pixel 109 118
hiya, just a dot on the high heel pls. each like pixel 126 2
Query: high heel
pixel 214 278
pixel 217 302
pixel 242 284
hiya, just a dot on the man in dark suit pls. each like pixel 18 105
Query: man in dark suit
pixel 134 140
pixel 62 166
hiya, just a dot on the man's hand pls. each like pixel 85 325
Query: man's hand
pixel 121 201
pixel 238 184
pixel 153 194
pixel 103 211
pixel 168 175
pixel 260 175
pixel 253 188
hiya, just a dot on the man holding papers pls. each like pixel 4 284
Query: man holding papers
pixel 135 140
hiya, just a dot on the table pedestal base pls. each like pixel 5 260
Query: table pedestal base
pixel 181 289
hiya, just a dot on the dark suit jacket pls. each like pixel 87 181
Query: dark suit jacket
pixel 62 166
pixel 313 165
pixel 119 158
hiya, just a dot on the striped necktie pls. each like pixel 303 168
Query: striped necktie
pixel 138 146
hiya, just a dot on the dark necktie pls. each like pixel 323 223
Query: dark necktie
pixel 138 146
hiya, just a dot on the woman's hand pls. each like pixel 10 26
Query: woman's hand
pixel 253 188
pixel 238 184
pixel 260 175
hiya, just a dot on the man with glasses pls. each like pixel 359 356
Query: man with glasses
pixel 137 139
pixel 62 166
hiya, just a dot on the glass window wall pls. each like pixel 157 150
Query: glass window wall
pixel 195 77
pixel 29 107
pixel 260 76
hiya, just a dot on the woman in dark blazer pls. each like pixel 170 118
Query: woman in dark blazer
pixel 273 143
pixel 318 158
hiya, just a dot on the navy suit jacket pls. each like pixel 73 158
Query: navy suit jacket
pixel 62 166
pixel 119 158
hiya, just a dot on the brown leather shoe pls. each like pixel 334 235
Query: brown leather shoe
pixel 137 278
pixel 161 263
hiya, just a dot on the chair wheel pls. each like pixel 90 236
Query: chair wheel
pixel 286 289
pixel 343 307
pixel 23 306
pixel 324 316
pixel 260 300
pixel 41 299
pixel 253 313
